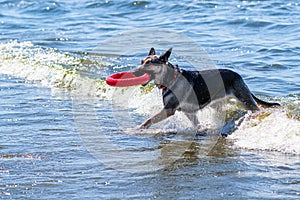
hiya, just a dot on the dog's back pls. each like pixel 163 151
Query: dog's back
pixel 189 91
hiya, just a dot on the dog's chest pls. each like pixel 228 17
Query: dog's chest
pixel 186 98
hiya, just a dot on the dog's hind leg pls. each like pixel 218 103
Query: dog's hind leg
pixel 163 114
pixel 242 92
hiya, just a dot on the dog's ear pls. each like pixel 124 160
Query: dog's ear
pixel 165 57
pixel 151 52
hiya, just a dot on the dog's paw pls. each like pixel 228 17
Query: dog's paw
pixel 139 127
pixel 134 131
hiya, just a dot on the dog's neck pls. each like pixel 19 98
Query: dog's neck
pixel 172 73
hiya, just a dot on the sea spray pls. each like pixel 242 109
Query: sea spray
pixel 278 130
pixel 270 130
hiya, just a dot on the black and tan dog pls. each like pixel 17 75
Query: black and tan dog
pixel 190 91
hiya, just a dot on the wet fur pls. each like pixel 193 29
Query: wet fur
pixel 190 91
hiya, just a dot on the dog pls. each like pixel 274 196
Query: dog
pixel 190 91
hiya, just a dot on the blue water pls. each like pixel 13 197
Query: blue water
pixel 63 131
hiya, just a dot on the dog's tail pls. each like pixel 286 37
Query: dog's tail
pixel 264 103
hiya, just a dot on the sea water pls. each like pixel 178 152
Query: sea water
pixel 66 134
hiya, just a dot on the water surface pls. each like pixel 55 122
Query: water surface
pixel 57 112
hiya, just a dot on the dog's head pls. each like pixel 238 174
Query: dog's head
pixel 158 67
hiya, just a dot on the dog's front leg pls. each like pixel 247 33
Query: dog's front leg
pixel 163 114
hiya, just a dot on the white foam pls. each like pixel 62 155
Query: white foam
pixel 276 132
pixel 49 68
pixel 150 103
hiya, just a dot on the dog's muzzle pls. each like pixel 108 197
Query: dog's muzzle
pixel 139 72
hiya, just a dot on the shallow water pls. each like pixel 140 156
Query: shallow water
pixel 66 134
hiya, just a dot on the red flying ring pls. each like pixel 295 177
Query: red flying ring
pixel 124 79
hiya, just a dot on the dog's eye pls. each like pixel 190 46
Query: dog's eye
pixel 156 61
pixel 147 62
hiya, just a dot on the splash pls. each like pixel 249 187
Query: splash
pixel 268 130
pixel 278 130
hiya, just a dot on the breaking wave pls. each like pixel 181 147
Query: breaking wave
pixel 83 74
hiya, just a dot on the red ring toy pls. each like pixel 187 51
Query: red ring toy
pixel 124 79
